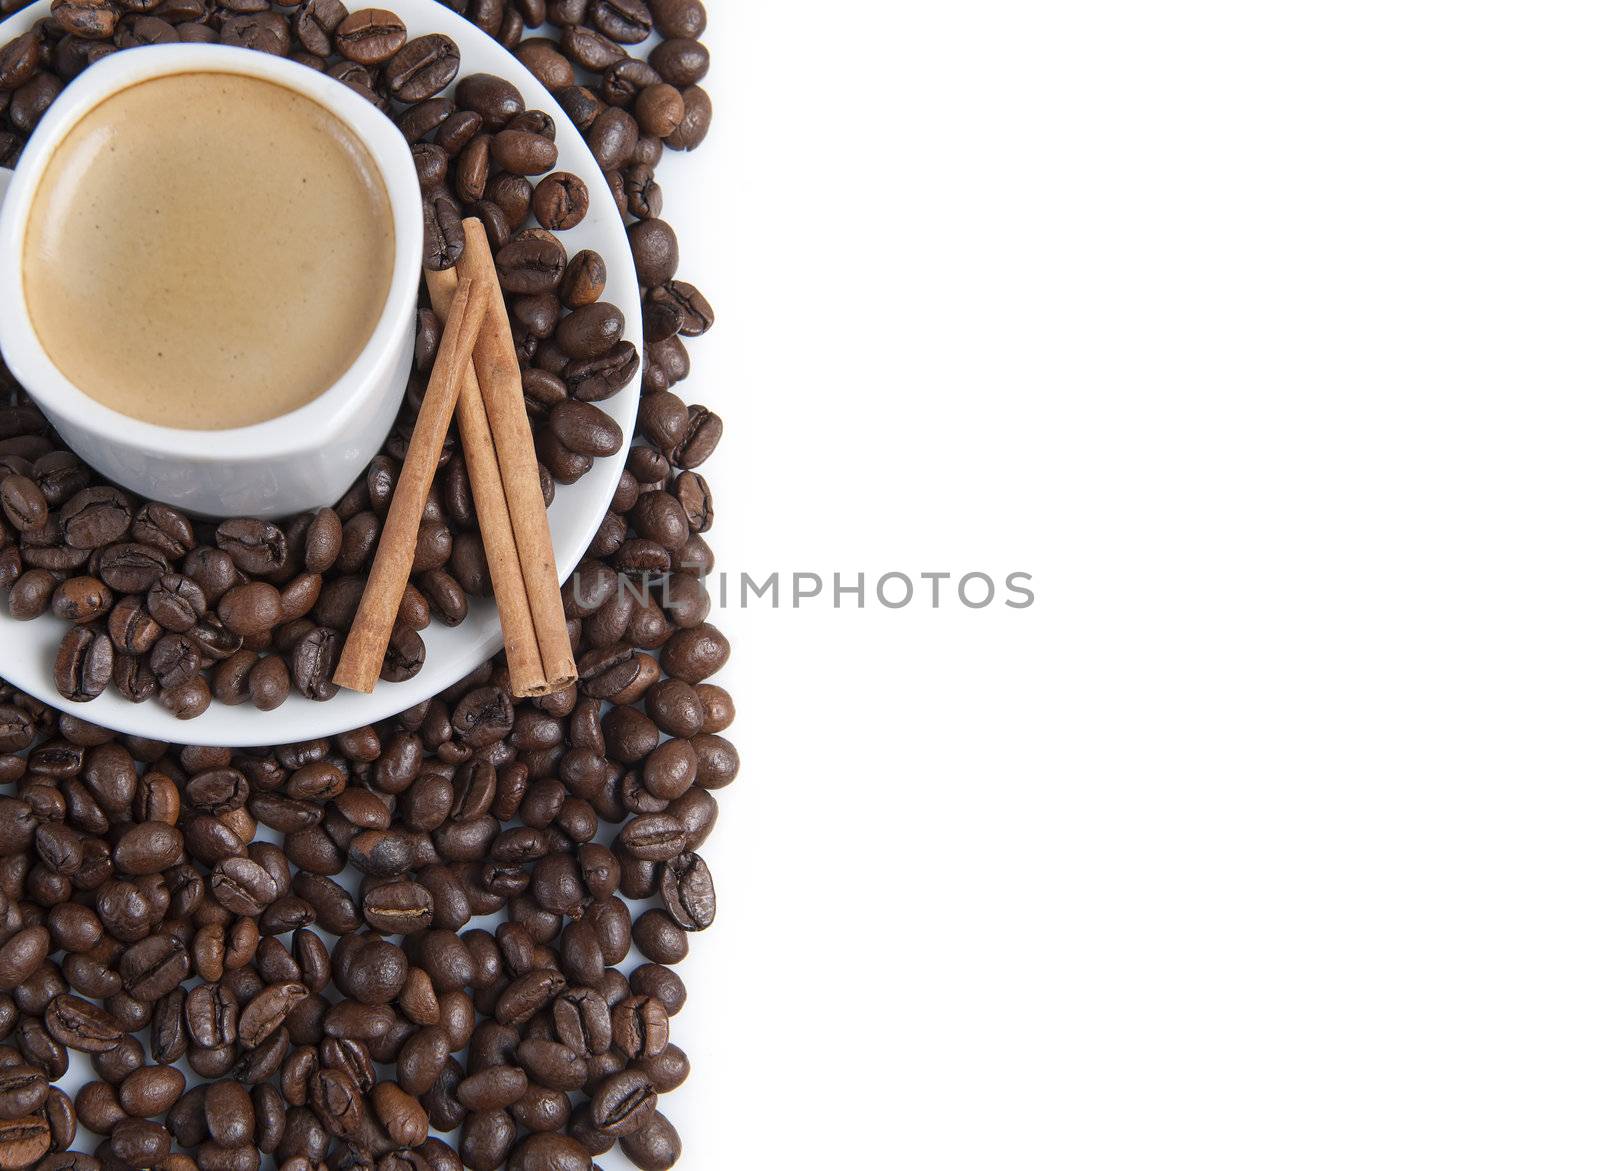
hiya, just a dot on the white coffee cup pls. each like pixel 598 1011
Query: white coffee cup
pixel 300 460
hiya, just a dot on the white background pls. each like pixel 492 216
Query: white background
pixel 1264 336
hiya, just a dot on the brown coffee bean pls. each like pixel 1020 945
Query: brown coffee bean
pixel 370 36
pixel 398 907
pixel 82 1025
pixel 654 1146
pixel 560 201
pixel 150 1091
pixel 251 609
pixel 544 59
pixel 681 61
pixel 401 1115
pixel 423 68
pixel 267 1010
pixel 23 504
pixel 269 683
pixel 660 109
pixel 83 664
pixel 81 599
pixel 265 32
pixel 696 124
pixel 624 1103
pixel 612 137
pixel 256 546
pixel 95 518
pixel 23 1142
pixel 23 1090
pixel 522 152
pixel 316 24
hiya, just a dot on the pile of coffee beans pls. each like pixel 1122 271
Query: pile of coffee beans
pixel 461 922
pixel 190 612
pixel 146 920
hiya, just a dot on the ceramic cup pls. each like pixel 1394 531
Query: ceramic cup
pixel 297 461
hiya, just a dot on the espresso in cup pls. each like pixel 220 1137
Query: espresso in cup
pixel 208 251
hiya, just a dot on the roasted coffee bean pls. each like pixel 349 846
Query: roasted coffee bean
pixel 422 119
pixel 596 379
pixel 423 68
pixel 164 528
pixel 653 838
pixel 402 1117
pixel 591 330
pixel 20 60
pixel 23 1142
pixel 23 1090
pixel 655 1146
pixel 267 1010
pixel 80 599
pixel 269 683
pixel 688 307
pixel 88 20
pixel 23 503
pixel 582 1020
pixel 625 21
pixel 398 907
pixel 696 124
pixel 96 517
pixel 370 36
pixel 457 130
pixel 687 892
pixel 560 201
pixel 492 98
pixel 584 281
pixel 642 192
pixel 256 546
pixel 312 662
pixel 681 61
pixel 532 262
pixel 242 886
pixel 590 49
pixel 148 848
pixel 211 567
pixel 679 18
pixel 81 1025
pixel 150 1091
pixel 543 59
pixel 211 1015
pixel 250 610
pixel 660 109
pixel 655 251
pixel 624 1103
pixel 659 938
pixel 612 137
pixel 176 602
pixel 175 659
pixel 83 664
pixel 230 1115
pixel 266 32
pixel 153 966
pixel 443 237
pixel 31 594
pixel 522 152
pixel 316 24
pixel 34 98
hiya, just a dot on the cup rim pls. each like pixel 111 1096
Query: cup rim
pixel 297 431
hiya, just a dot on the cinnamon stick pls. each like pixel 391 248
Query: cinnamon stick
pixel 499 376
pixel 523 662
pixel 368 641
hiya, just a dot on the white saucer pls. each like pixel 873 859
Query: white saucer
pixel 27 649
